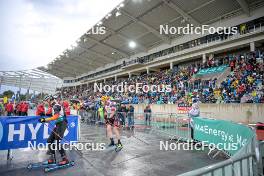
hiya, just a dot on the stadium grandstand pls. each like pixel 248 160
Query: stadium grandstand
pixel 156 87
pixel 109 58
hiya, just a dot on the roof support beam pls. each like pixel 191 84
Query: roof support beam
pixel 41 73
pixel 61 72
pixel 76 60
pixel 76 55
pixel 151 29
pixel 70 67
pixel 244 5
pixel 183 13
pixel 108 46
pixel 55 72
pixel 94 60
pixel 85 69
pixel 91 60
pixel 70 72
pixel 96 53
pixel 32 74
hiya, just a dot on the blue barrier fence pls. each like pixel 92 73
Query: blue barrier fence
pixel 18 132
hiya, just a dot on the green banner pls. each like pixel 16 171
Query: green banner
pixel 212 70
pixel 224 135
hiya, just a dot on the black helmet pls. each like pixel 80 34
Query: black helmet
pixel 49 97
pixel 57 108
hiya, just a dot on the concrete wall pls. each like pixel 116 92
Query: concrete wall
pixel 245 113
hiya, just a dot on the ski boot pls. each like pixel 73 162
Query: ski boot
pixel 118 147
pixel 63 161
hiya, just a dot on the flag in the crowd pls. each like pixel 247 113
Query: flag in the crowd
pixel 13 97
pixel 5 100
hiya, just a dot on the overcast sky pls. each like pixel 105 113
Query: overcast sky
pixel 34 32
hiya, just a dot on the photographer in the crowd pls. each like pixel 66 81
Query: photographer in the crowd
pixel 130 116
pixel 122 111
pixel 194 112
pixel 147 115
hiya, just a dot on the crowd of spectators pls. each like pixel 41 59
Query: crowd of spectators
pixel 45 108
pixel 244 84
pixel 10 108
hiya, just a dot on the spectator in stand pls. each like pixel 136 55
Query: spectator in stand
pixel 130 116
pixel 66 107
pixel 9 108
pixel 24 109
pixel 40 109
pixel 2 109
pixel 147 114
pixel 194 112
pixel 244 83
pixel 100 113
pixel 18 109
pixel 122 111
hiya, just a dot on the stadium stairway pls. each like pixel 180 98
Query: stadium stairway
pixel 223 76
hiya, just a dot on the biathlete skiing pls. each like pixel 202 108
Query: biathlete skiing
pixel 57 134
pixel 112 121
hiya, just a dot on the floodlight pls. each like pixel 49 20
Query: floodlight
pixel 132 44
pixel 117 14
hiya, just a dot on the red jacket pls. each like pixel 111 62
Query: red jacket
pixel 9 107
pixel 49 111
pixel 66 107
pixel 67 111
pixel 40 109
pixel 18 107
pixel 24 107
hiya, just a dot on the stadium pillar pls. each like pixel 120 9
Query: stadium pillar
pixel 115 77
pixel 104 80
pixel 204 58
pixel 171 65
pixel 147 70
pixel 252 46
pixel 129 74
pixel 211 56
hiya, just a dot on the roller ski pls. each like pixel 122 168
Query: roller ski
pixel 59 166
pixel 48 163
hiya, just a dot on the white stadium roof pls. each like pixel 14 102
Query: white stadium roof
pixel 35 79
pixel 139 20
